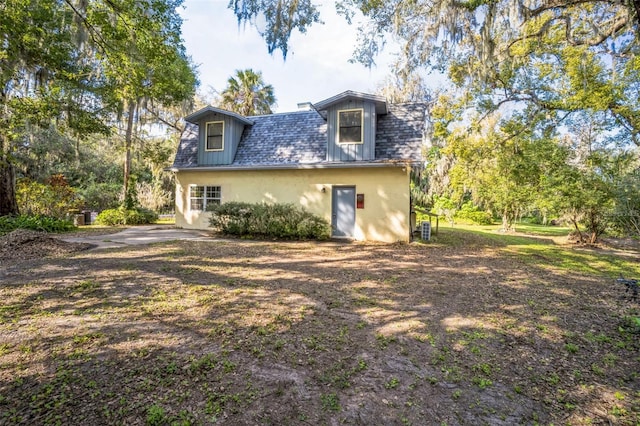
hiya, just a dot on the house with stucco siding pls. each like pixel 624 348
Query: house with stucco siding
pixel 347 159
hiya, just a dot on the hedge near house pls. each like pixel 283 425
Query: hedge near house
pixel 122 216
pixel 267 220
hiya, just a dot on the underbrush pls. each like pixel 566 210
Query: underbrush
pixel 473 215
pixel 267 220
pixel 34 222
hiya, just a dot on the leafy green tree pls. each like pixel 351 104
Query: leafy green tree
pixel 445 111
pixel 44 76
pixel 404 87
pixel 70 67
pixel 559 57
pixel 503 173
pixel 587 197
pixel 247 94
pixel 445 206
pixel 146 62
pixel 45 151
pixel 626 215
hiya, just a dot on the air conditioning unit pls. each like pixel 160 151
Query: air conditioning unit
pixel 425 231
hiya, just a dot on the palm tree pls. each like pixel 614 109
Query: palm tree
pixel 247 94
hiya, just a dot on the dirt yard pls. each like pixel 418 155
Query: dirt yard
pixel 464 331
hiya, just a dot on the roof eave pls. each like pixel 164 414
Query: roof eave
pixel 299 166
pixel 379 101
pixel 196 116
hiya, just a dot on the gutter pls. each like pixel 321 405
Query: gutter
pixel 297 166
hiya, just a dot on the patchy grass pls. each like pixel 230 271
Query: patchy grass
pixel 474 327
pixel 543 230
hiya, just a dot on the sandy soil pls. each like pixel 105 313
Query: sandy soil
pixel 246 332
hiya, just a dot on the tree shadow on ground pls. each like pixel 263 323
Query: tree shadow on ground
pixel 249 332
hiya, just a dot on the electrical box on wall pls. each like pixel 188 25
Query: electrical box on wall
pixel 360 201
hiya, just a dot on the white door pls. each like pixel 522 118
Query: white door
pixel 343 211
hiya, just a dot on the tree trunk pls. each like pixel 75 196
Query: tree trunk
pixel 575 225
pixel 636 7
pixel 127 147
pixel 508 218
pixel 8 202
pixel 76 147
pixel 597 224
pixel 505 223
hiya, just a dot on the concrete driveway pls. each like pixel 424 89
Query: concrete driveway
pixel 137 235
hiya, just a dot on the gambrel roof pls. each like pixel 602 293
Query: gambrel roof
pixel 299 138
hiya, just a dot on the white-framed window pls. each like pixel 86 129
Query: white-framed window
pixel 196 198
pixel 200 196
pixel 350 126
pixel 214 139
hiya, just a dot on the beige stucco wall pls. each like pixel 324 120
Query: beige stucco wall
pixel 385 216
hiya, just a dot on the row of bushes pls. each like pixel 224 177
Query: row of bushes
pixel 34 222
pixel 122 216
pixel 267 220
pixel 110 217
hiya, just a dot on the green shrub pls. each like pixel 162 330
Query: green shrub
pixel 34 222
pixel 532 220
pixel 469 212
pixel 54 198
pixel 267 220
pixel 445 206
pixel 101 196
pixel 122 216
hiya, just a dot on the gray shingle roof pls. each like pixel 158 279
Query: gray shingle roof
pixel 296 137
pixel 187 155
pixel 399 135
pixel 300 137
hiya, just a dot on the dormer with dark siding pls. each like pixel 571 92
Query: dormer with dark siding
pixel 351 125
pixel 219 134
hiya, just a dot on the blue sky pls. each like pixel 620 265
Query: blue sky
pixel 317 64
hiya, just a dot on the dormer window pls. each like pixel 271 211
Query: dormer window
pixel 215 136
pixel 350 126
